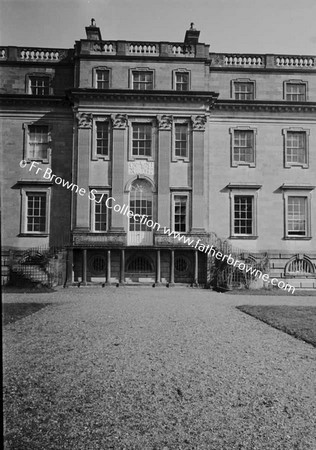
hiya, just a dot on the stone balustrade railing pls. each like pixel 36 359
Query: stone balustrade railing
pixel 162 49
pixel 39 54
pixel 245 60
pixel 104 47
pixel 33 54
pixel 262 61
pixel 127 48
pixel 3 53
pixel 183 50
pixel 144 49
pixel 295 61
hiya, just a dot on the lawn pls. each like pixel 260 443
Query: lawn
pixel 273 292
pixel 11 312
pixel 298 321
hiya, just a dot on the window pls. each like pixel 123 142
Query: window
pixel 139 264
pixel 182 265
pixel 296 147
pixel 141 139
pixel 295 91
pixel 143 80
pixel 300 266
pixel 243 208
pixel 39 85
pixel 35 211
pixel 97 265
pixel 243 215
pixel 243 147
pixel 180 213
pixel 244 90
pixel 102 138
pixel 182 81
pixel 141 203
pixel 297 216
pixel 102 78
pixel 38 139
pixel 99 212
pixel 297 211
pixel 181 141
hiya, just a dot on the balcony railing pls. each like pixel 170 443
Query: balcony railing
pixel 262 61
pixel 34 54
pixel 143 49
pixel 41 54
pixel 244 60
pixel 3 53
pixel 295 61
pixel 105 47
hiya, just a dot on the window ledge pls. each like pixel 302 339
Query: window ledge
pixel 141 158
pixel 302 166
pixel 43 161
pixel 99 157
pixel 297 238
pixel 307 276
pixel 178 159
pixel 235 164
pixel 40 235
pixel 243 237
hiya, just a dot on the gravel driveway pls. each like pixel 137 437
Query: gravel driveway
pixel 143 368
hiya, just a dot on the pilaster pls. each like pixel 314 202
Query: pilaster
pixel 198 163
pixel 118 166
pixel 84 140
pixel 164 158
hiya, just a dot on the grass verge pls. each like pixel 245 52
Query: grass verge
pixel 274 292
pixel 11 312
pixel 298 321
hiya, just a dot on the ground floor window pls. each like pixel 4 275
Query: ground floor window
pixel 35 211
pixel 139 264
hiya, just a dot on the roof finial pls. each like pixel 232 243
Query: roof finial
pixel 93 23
pixel 192 26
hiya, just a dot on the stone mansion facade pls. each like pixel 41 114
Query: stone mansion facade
pixel 205 144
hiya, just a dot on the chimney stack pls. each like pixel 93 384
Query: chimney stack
pixel 93 32
pixel 191 35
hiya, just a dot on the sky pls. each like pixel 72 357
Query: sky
pixel 240 26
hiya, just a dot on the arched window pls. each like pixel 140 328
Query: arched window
pixel 141 200
pixel 139 264
pixel 181 265
pixel 97 264
pixel 299 266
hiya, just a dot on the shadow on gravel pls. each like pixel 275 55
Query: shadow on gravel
pixel 298 321
pixel 11 312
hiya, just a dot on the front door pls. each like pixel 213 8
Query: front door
pixel 141 203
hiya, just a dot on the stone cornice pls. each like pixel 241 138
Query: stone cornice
pixel 26 99
pixel 271 106
pixel 148 96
